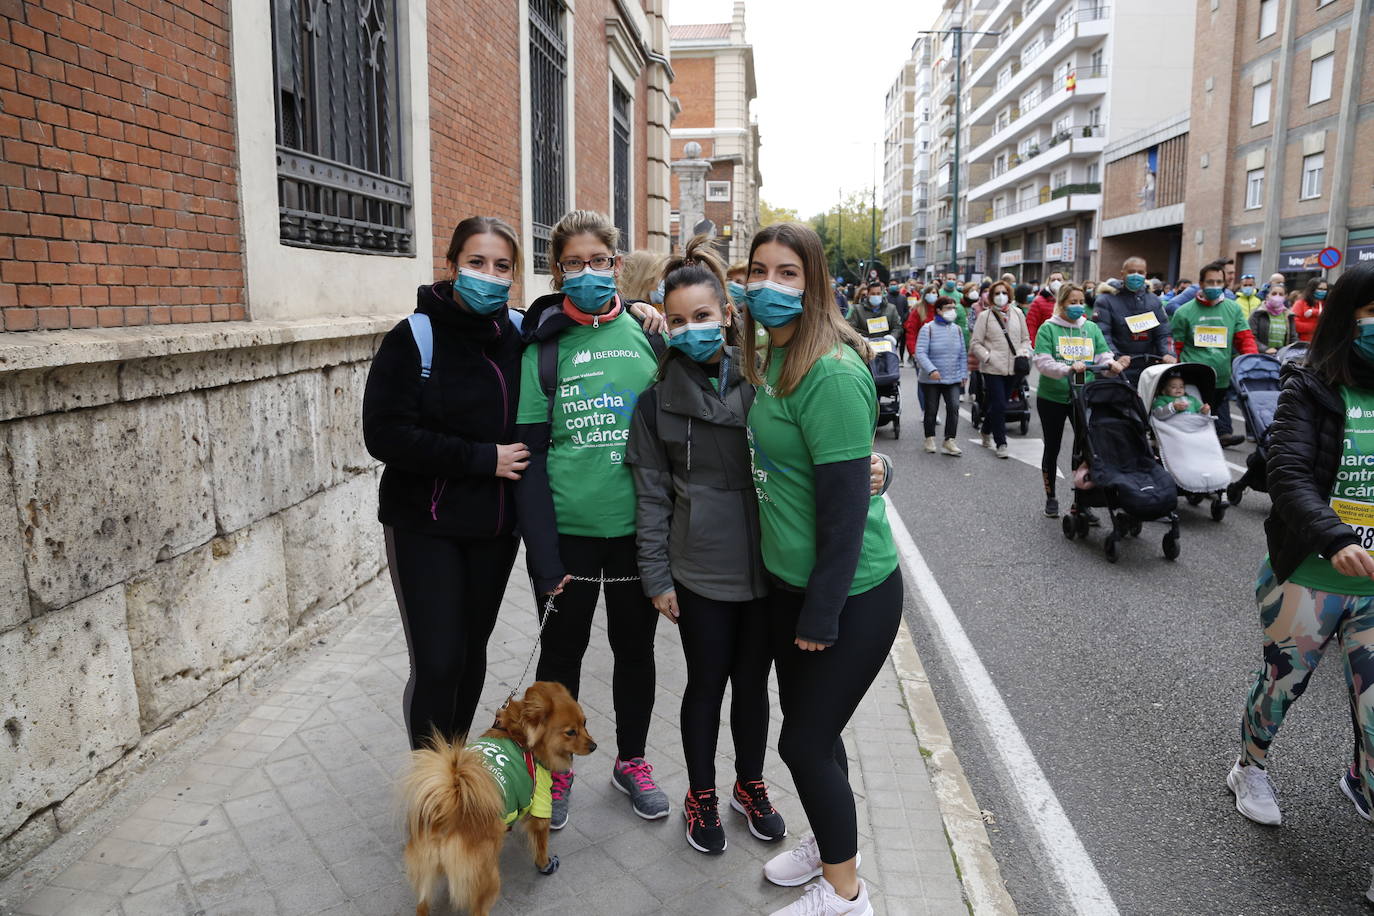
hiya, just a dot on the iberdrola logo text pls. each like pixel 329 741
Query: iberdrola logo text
pixel 581 356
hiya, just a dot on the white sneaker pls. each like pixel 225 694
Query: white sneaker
pixel 820 899
pixel 950 447
pixel 1255 796
pixel 987 440
pixel 798 866
pixel 1002 452
pixel 930 444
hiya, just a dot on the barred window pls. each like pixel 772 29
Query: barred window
pixel 548 82
pixel 620 134
pixel 340 180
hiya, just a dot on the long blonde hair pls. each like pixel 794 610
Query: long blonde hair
pixel 820 329
pixel 1065 288
pixel 572 224
pixel 640 272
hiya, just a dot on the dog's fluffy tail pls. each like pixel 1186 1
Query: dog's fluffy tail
pixel 448 791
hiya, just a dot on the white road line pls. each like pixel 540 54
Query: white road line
pixel 1059 843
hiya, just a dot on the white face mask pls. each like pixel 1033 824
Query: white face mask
pixel 999 300
pixel 931 297
pixel 948 314
pixel 1054 286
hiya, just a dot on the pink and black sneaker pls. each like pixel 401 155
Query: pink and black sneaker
pixel 635 778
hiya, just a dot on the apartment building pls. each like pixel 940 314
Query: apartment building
pixel 901 124
pixel 1046 94
pixel 1281 128
pixel 714 65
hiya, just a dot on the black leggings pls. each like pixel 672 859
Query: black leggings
pixel 819 692
pixel 931 395
pixel 630 623
pixel 448 590
pixel 723 641
pixel 1052 417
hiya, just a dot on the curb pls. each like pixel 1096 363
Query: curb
pixel 984 889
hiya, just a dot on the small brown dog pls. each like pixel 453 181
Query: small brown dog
pixel 461 801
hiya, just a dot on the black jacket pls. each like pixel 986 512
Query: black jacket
pixel 1305 444
pixel 438 436
pixel 1111 311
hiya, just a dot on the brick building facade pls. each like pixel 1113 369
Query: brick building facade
pixel 290 178
pixel 1144 199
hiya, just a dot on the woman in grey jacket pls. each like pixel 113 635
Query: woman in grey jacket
pixel 697 534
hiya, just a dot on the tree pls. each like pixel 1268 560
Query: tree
pixel 769 214
pixel 850 224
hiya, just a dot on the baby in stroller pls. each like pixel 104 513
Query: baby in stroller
pixel 1175 399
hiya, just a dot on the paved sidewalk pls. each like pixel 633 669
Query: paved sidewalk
pixel 286 806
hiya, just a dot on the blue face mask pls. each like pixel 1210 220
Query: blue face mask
pixel 1320 294
pixel 656 297
pixel 1075 312
pixel 699 341
pixel 481 292
pixel 875 301
pixel 589 290
pixel 1247 290
pixel 772 304
pixel 1213 293
pixel 1364 342
pixel 949 284
pixel 736 291
pixel 1135 282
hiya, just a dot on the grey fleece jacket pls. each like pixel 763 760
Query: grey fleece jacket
pixel 697 518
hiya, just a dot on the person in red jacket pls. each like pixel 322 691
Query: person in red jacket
pixel 1043 306
pixel 1308 309
pixel 921 312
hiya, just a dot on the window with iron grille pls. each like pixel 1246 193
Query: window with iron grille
pixel 620 141
pixel 340 180
pixel 548 83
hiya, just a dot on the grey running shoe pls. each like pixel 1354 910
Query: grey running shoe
pixel 635 778
pixel 1255 796
pixel 1352 789
pixel 561 792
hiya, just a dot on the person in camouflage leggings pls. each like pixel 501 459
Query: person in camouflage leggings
pixel 1299 623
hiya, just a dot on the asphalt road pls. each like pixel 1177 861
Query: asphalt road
pixel 1127 682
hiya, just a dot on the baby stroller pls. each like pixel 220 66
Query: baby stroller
pixel 886 367
pixel 1255 378
pixel 1123 474
pixel 1296 350
pixel 1018 402
pixel 1187 442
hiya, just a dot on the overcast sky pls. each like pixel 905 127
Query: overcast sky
pixel 822 72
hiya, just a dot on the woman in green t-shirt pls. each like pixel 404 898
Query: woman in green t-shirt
pixel 1317 581
pixel 836 600
pixel 1067 342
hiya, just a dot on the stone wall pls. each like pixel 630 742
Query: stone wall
pixel 184 504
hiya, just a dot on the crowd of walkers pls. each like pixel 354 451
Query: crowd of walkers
pixel 663 434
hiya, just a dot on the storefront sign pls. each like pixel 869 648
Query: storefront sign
pixel 980 261
pixel 1009 258
pixel 1070 243
pixel 1360 254
pixel 1299 261
pixel 1054 251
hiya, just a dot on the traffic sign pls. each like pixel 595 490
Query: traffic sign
pixel 1329 257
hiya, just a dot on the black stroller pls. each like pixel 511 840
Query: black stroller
pixel 1018 402
pixel 886 367
pixel 1123 474
pixel 1255 376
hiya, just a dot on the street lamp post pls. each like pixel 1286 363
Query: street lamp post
pixel 958 32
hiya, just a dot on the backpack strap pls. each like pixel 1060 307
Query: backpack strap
pixel 423 332
pixel 548 374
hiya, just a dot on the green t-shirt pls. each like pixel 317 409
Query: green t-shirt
pixel 1352 497
pixel 601 372
pixel 1208 333
pixel 1163 400
pixel 525 783
pixel 1278 331
pixel 1068 346
pixel 830 417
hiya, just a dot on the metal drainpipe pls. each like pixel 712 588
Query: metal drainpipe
pixel 1337 232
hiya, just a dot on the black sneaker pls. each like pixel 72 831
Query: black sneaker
pixel 1233 439
pixel 750 798
pixel 1091 516
pixel 704 832
pixel 1353 790
pixel 1051 507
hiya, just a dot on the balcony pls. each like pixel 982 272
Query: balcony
pixel 944 224
pixel 1087 140
pixel 944 190
pixel 1044 105
pixel 995 221
pixel 1085 27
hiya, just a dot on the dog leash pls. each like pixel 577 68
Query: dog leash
pixel 549 609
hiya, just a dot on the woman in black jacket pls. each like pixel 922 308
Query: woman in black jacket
pixel 1318 579
pixel 439 412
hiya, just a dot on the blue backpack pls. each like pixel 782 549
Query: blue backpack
pixel 423 331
